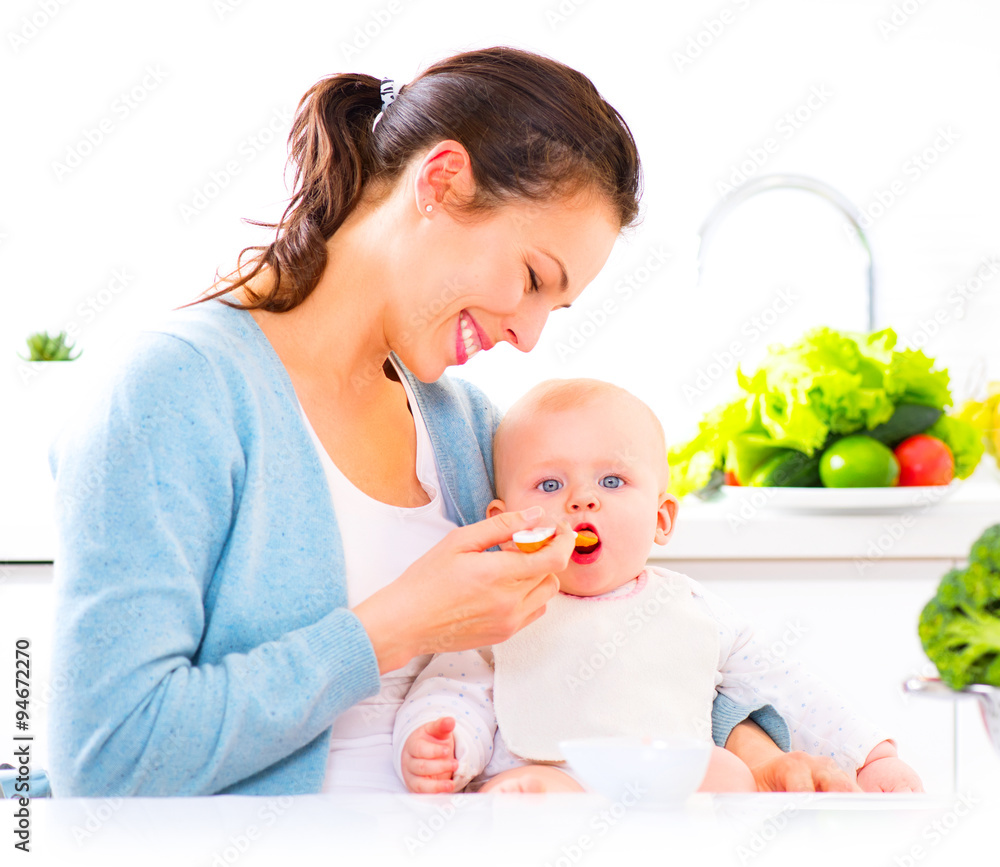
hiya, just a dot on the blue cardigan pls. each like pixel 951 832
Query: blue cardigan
pixel 203 643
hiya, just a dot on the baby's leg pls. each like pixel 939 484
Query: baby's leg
pixel 534 778
pixel 727 773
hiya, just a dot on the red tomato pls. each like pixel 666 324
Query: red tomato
pixel 731 479
pixel 924 460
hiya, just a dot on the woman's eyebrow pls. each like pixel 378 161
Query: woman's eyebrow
pixel 564 282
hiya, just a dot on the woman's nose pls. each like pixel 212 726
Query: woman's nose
pixel 524 329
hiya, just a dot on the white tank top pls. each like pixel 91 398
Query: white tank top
pixel 379 541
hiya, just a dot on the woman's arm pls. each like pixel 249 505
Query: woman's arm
pixel 777 771
pixel 147 497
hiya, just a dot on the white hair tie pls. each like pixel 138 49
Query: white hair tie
pixel 388 96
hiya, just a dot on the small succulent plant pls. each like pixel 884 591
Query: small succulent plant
pixel 45 348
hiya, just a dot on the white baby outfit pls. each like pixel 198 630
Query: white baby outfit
pixel 461 685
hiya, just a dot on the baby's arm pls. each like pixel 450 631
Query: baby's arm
pixel 455 686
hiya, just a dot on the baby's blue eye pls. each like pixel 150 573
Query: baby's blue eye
pixel 611 482
pixel 549 486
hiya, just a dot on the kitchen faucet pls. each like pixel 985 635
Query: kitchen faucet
pixel 794 182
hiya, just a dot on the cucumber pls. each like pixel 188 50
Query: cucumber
pixel 794 469
pixel 788 469
pixel 908 419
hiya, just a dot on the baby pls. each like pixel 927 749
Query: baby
pixel 624 648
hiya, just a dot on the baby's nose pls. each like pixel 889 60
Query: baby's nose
pixel 584 500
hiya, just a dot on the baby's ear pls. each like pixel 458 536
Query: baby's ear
pixel 495 508
pixel 666 517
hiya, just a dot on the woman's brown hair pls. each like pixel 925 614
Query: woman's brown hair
pixel 534 129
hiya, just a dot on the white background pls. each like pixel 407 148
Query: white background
pixel 703 85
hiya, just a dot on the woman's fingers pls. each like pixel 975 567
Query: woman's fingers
pixel 554 557
pixel 534 601
pixel 492 531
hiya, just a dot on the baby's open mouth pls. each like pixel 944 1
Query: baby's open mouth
pixel 587 540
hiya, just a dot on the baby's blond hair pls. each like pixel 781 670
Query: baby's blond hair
pixel 558 395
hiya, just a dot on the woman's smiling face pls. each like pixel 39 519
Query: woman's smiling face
pixel 473 284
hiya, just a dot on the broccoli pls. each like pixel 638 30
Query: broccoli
pixel 960 627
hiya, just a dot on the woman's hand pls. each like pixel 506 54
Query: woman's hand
pixel 459 595
pixel 777 771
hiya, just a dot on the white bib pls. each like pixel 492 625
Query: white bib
pixel 642 664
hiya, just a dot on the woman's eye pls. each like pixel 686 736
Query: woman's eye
pixel 611 482
pixel 549 486
pixel 534 281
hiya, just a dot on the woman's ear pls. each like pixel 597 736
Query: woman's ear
pixel 444 172
pixel 495 508
pixel 666 516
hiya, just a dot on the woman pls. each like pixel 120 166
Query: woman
pixel 278 498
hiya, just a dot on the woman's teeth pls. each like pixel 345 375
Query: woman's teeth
pixel 469 337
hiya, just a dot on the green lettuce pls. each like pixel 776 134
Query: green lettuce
pixel 964 440
pixel 829 382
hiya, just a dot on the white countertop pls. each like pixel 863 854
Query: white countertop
pixel 553 830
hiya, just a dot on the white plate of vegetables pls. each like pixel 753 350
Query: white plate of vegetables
pixel 836 422
pixel 841 500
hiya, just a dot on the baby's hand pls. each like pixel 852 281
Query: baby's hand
pixel 884 771
pixel 428 761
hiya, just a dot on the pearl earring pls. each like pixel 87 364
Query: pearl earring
pixel 429 208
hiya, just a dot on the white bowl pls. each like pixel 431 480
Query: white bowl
pixel 647 771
